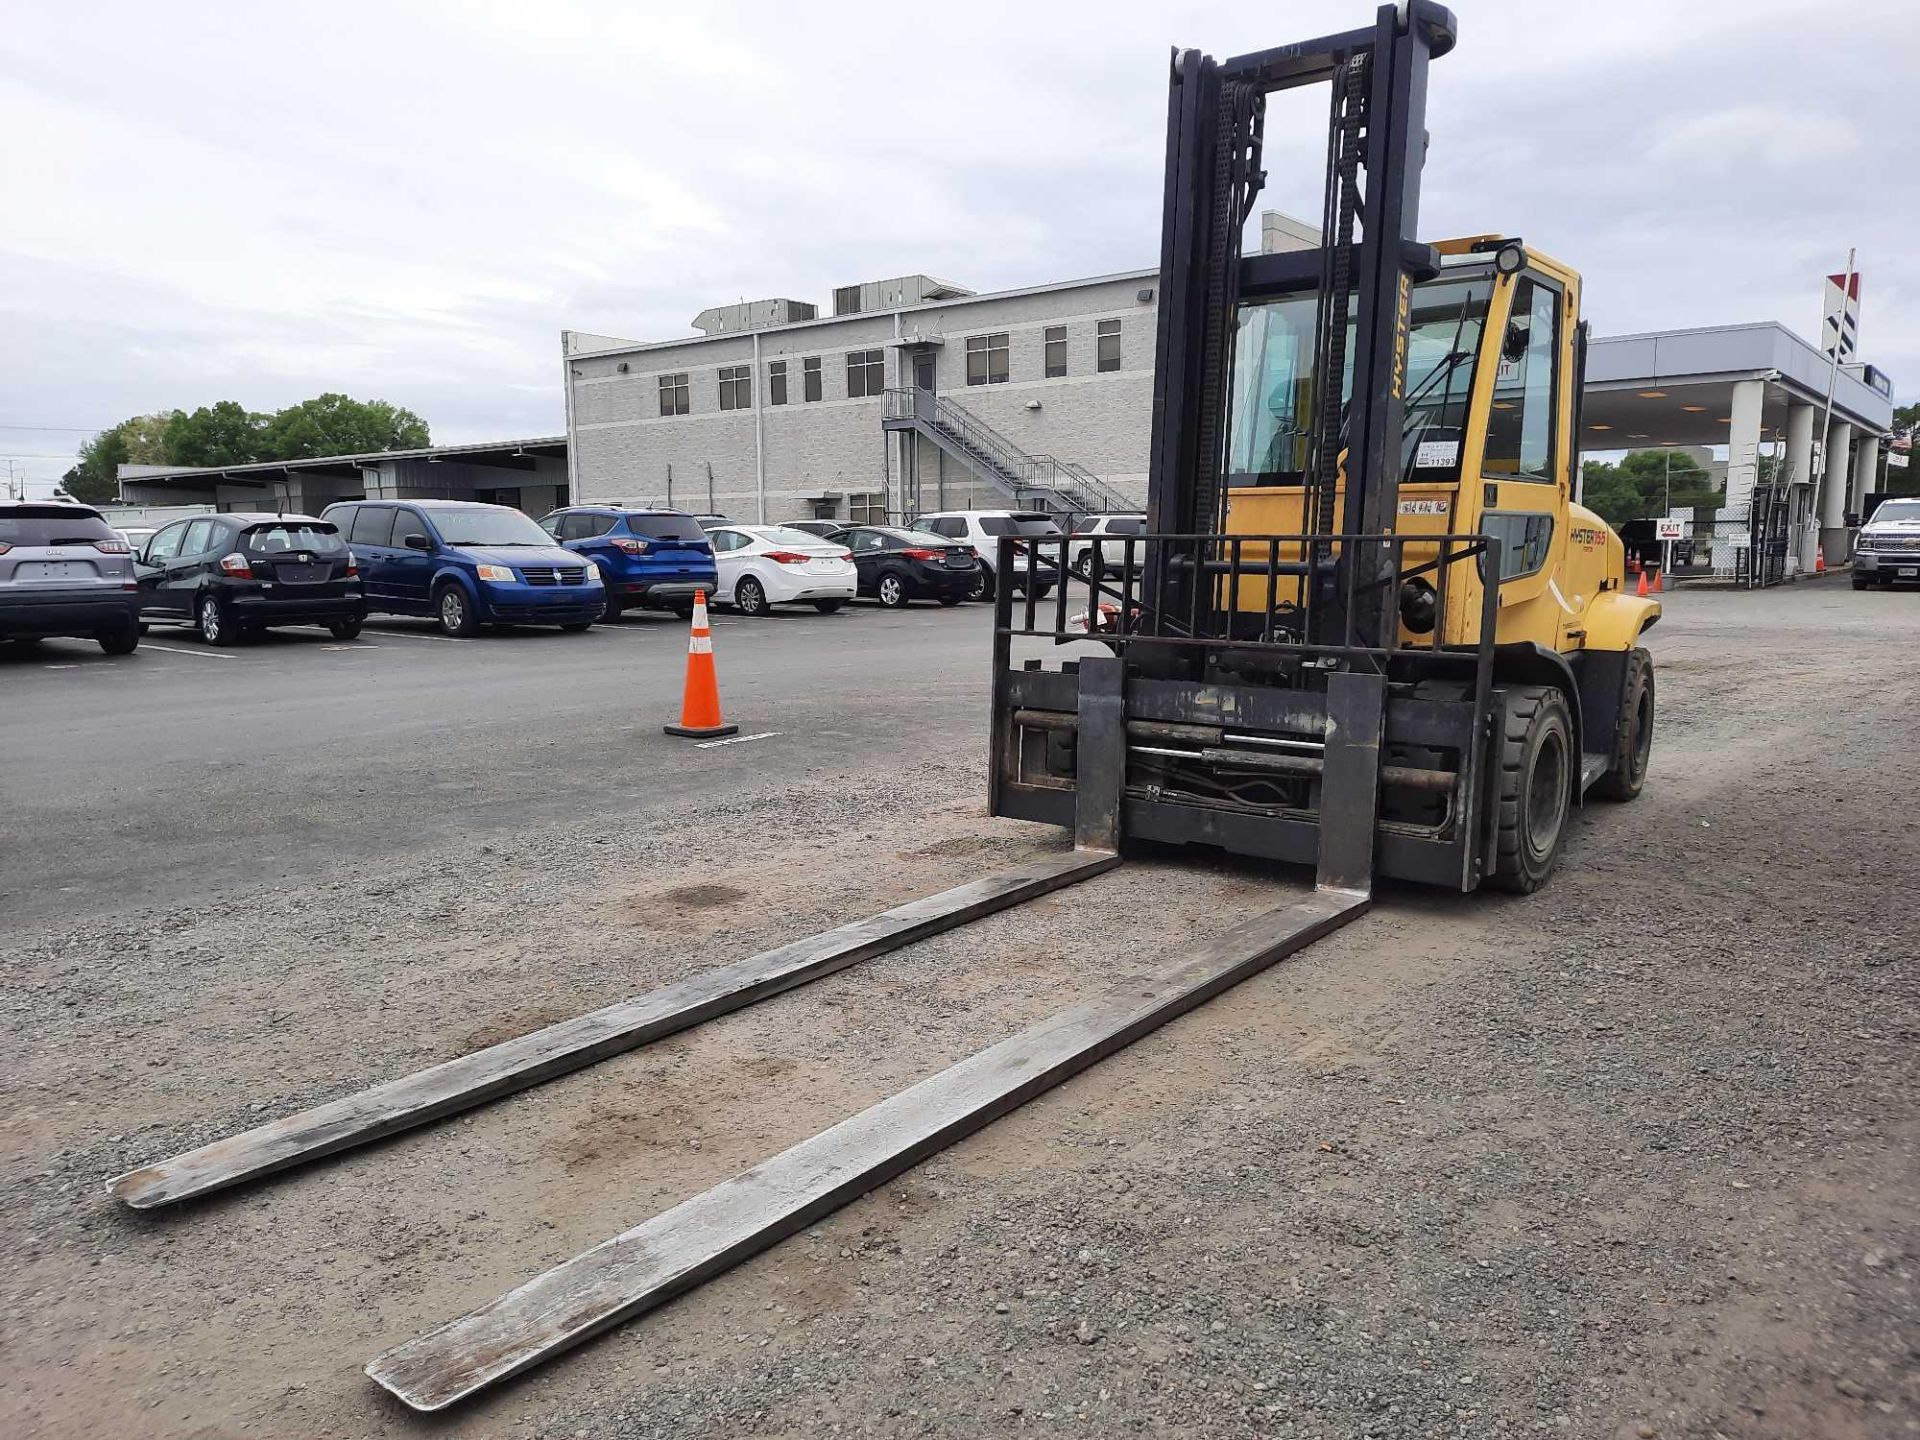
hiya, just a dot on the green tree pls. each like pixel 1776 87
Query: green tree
pixel 146 437
pixel 226 433
pixel 334 424
pixel 96 479
pixel 1637 487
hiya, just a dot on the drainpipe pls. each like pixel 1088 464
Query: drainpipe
pixel 566 379
pixel 759 432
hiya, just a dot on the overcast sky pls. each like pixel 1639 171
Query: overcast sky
pixel 409 201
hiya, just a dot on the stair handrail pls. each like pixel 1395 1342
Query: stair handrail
pixel 1076 487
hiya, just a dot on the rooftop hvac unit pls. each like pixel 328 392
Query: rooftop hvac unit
pixel 894 294
pixel 753 315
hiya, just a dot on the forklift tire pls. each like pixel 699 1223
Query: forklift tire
pixel 1632 733
pixel 1536 786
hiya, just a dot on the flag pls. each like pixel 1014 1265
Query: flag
pixel 1842 328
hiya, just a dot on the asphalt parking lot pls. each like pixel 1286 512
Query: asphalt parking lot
pixel 1632 1157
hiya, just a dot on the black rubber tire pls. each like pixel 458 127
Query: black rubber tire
pixel 123 641
pixel 750 597
pixel 1632 733
pixel 346 629
pixel 828 607
pixel 454 612
pixel 1040 592
pixel 891 592
pixel 685 612
pixel 1538 760
pixel 611 615
pixel 210 618
pixel 1862 582
pixel 982 583
pixel 950 600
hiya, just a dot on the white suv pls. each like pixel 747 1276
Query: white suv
pixel 1113 551
pixel 982 530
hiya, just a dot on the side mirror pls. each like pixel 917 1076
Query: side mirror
pixel 417 542
pixel 1514 345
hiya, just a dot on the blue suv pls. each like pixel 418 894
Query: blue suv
pixel 650 559
pixel 466 565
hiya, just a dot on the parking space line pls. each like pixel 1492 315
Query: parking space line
pixel 736 740
pixel 416 635
pixel 197 654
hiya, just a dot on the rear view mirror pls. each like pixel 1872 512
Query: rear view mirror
pixel 417 542
pixel 1516 340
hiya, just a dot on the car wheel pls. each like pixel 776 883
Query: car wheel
pixel 950 600
pixel 891 592
pixel 455 612
pixel 1862 582
pixel 1040 592
pixel 1632 733
pixel 123 641
pixel 1536 786
pixel 1083 564
pixel 749 596
pixel 685 612
pixel 346 629
pixel 828 607
pixel 611 615
pixel 575 627
pixel 214 626
pixel 982 587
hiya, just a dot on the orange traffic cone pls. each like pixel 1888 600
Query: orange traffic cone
pixel 1642 589
pixel 1819 559
pixel 700 705
pixel 1658 588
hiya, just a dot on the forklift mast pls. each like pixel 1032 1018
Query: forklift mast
pixel 1367 265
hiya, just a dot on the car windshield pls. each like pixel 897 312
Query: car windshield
pixel 1273 381
pixel 487 525
pixel 1892 512
pixel 50 525
pixel 1018 525
pixel 666 527
pixel 317 536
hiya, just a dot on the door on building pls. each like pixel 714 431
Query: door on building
pixel 923 371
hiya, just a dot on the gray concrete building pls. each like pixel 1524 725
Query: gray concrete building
pixel 939 400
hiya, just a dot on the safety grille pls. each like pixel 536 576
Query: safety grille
pixel 1891 542
pixel 554 574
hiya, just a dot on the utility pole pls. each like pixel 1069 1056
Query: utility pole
pixel 1818 493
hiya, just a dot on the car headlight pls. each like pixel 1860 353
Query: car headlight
pixel 593 575
pixel 501 574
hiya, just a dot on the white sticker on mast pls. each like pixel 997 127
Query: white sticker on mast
pixel 1842 326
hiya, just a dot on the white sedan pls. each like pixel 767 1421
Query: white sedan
pixel 766 565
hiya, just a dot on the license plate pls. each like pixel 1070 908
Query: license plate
pixel 55 570
pixel 303 574
pixel 823 562
pixel 1910 572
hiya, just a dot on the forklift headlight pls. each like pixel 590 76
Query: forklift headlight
pixel 1508 259
pixel 1418 606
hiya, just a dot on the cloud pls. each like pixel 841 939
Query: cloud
pixel 411 200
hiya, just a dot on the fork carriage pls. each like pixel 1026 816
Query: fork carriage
pixel 1224 702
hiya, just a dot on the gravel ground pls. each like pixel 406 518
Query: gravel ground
pixel 1632 1157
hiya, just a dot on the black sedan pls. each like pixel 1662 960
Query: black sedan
pixel 900 565
pixel 233 575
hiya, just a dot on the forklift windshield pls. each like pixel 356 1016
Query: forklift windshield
pixel 1273 382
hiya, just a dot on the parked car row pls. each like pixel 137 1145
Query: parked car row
pixel 64 571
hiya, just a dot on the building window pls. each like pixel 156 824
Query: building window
pixel 1056 351
pixel 1109 346
pixel 868 509
pixel 866 373
pixel 776 382
pixel 987 359
pixel 810 378
pixel 673 395
pixel 736 387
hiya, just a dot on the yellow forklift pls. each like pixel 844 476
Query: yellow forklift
pixel 1368 630
pixel 1391 565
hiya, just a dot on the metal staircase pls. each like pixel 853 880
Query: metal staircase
pixel 1038 482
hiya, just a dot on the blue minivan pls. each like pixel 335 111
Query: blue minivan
pixel 466 565
pixel 651 559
